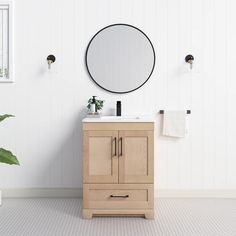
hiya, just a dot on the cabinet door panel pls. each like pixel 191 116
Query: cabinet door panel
pixel 135 157
pixel 100 157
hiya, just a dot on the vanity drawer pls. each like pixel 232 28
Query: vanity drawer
pixel 118 196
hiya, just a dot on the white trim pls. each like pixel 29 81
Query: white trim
pixel 195 193
pixel 42 192
pixel 78 193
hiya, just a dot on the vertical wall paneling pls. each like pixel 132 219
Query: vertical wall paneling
pixel 231 95
pixel 49 105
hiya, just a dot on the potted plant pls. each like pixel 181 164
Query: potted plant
pixel 97 103
pixel 5 155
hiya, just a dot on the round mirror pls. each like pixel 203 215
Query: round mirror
pixel 120 58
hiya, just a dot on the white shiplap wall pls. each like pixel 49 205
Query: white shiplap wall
pixel 49 106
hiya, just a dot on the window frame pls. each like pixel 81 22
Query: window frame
pixel 9 4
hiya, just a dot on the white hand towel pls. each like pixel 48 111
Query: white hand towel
pixel 174 124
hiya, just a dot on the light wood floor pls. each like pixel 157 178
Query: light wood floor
pixel 62 217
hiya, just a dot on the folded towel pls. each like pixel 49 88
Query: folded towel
pixel 174 124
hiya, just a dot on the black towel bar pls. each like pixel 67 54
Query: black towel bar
pixel 162 111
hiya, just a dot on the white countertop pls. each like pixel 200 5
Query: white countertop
pixel 117 119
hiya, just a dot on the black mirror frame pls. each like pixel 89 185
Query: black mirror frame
pixel 86 63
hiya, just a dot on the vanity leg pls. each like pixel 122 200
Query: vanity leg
pixel 87 214
pixel 149 215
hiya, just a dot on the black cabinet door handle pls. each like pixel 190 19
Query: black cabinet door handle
pixel 121 147
pixel 115 146
pixel 112 147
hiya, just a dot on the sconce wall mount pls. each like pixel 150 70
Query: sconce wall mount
pixel 50 59
pixel 189 59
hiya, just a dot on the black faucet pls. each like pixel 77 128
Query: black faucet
pixel 118 108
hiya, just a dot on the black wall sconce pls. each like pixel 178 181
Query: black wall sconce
pixel 50 59
pixel 189 59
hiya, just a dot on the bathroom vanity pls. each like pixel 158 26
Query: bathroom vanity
pixel 118 166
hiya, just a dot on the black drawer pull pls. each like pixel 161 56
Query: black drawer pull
pixel 119 196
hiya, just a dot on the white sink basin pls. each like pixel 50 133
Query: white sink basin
pixel 120 117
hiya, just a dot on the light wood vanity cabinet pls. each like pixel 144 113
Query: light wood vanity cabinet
pixel 118 165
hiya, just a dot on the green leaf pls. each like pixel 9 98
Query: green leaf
pixel 3 117
pixel 99 104
pixel 8 158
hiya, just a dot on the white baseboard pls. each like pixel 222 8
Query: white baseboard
pixel 78 192
pixel 195 193
pixel 42 192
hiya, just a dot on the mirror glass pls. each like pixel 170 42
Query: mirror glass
pixel 120 58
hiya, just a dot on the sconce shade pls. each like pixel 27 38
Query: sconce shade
pixel 51 58
pixel 189 58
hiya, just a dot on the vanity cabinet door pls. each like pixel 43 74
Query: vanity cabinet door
pixel 136 156
pixel 100 156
